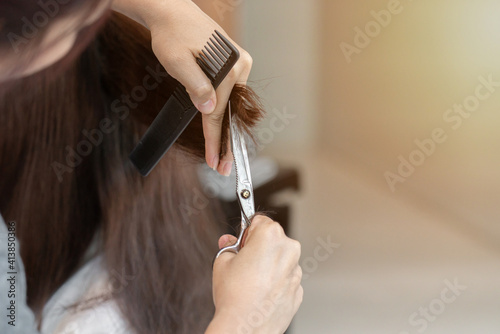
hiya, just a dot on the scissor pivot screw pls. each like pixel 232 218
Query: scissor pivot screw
pixel 245 194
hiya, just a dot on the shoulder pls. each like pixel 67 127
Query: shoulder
pixel 91 316
pixel 104 318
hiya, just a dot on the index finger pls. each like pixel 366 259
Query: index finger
pixel 199 87
pixel 212 123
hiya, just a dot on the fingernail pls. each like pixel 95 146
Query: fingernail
pixel 206 107
pixel 215 162
pixel 226 171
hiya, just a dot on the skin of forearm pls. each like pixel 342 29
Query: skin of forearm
pixel 223 12
pixel 142 10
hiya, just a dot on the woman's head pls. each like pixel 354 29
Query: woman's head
pixel 37 34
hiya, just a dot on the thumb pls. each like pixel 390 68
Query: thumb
pixel 197 84
pixel 227 240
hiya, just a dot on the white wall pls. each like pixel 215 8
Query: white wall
pixel 398 88
pixel 281 37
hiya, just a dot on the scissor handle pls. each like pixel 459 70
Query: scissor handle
pixel 237 246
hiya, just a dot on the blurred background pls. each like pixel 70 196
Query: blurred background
pixel 389 111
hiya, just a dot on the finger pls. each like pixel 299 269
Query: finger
pixel 227 240
pixel 212 123
pixel 212 129
pixel 245 62
pixel 244 239
pixel 226 163
pixel 296 277
pixel 296 250
pixel 262 229
pixel 212 126
pixel 299 297
pixel 185 70
pixel 258 221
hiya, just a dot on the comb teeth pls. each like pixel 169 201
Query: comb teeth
pixel 208 65
pixel 222 41
pixel 221 53
pixel 216 56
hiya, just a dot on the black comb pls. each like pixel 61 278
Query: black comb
pixel 216 60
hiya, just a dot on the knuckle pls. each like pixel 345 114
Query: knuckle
pixel 243 65
pixel 260 219
pixel 215 119
pixel 296 246
pixel 265 227
pixel 299 270
pixel 202 91
pixel 297 277
pixel 300 294
pixel 246 59
pixel 275 230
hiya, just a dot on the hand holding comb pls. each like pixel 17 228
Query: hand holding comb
pixel 216 60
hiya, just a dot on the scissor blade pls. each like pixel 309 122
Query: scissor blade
pixel 244 188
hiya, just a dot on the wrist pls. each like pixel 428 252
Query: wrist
pixel 145 12
pixel 226 323
pixel 220 325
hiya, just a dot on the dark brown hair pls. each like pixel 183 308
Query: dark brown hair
pixel 23 27
pixel 59 201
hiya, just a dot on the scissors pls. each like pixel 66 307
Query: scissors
pixel 244 188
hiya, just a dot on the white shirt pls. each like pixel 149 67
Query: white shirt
pixel 101 318
pixel 24 320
